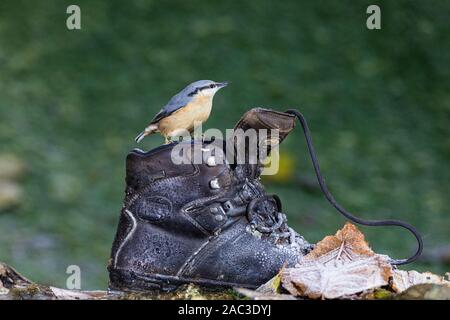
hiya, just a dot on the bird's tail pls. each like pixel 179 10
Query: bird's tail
pixel 140 136
pixel 149 130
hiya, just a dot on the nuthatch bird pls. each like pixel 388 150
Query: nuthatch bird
pixel 185 110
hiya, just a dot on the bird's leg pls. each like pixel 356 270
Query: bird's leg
pixel 200 137
pixel 168 139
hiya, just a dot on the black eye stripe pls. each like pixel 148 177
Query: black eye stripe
pixel 206 87
pixel 210 86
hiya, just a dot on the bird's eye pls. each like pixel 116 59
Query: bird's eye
pixel 212 85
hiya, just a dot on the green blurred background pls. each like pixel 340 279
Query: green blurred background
pixel 71 102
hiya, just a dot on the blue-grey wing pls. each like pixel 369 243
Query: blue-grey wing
pixel 177 102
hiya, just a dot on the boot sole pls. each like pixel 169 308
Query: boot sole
pixel 125 280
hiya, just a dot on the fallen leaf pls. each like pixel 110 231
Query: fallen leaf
pixel 339 266
pixel 316 280
pixel 349 238
pixel 402 280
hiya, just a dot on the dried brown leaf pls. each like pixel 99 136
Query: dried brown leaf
pixel 316 280
pixel 349 236
pixel 402 280
pixel 340 265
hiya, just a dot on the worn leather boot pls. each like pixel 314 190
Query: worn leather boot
pixel 210 224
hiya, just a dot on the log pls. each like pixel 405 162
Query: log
pixel 14 286
pixel 341 266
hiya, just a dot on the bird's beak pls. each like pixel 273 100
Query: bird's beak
pixel 222 84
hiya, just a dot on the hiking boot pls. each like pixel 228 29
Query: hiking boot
pixel 210 223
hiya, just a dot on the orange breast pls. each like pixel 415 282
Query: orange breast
pixel 198 110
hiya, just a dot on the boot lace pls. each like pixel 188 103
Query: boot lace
pixel 265 216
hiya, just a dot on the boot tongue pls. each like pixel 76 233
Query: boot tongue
pixel 254 136
pixel 256 133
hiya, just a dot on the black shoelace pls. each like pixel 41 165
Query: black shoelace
pixel 264 215
pixel 344 212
